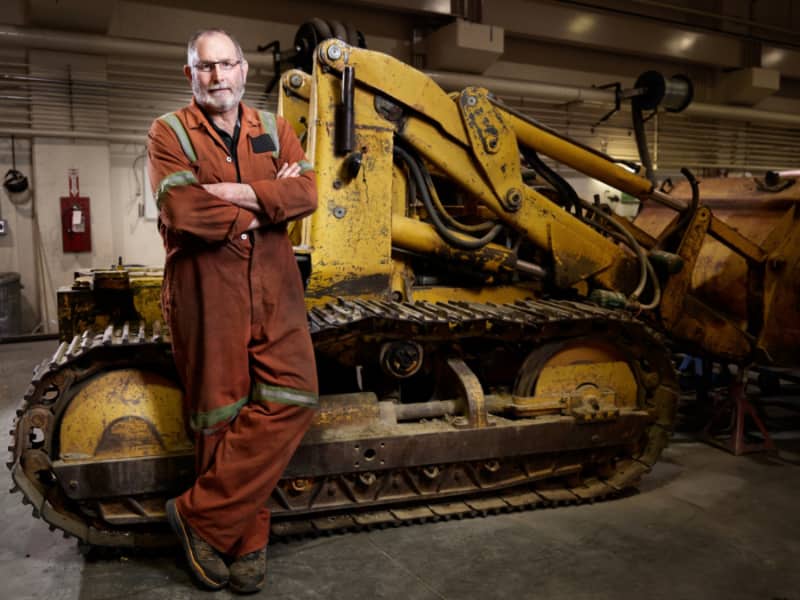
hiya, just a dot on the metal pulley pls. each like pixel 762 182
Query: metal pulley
pixel 652 90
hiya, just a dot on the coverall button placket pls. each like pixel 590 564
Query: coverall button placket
pixel 256 299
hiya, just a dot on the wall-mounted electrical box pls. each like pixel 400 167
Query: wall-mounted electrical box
pixel 76 222
pixel 76 225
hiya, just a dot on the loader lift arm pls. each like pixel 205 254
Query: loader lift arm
pixel 476 141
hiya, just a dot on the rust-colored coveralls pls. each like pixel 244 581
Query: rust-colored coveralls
pixel 234 304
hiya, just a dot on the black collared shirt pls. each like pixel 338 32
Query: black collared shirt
pixel 231 141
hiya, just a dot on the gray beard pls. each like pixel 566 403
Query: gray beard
pixel 207 101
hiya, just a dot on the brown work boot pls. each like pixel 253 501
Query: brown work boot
pixel 249 572
pixel 205 563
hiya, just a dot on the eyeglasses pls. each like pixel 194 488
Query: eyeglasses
pixel 225 65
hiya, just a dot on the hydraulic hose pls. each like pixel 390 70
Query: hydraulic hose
pixel 656 289
pixel 564 189
pixel 687 214
pixel 459 240
pixel 644 263
pixel 641 140
pixel 411 195
pixel 477 228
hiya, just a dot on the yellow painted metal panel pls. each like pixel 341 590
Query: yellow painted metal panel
pixel 124 414
pixel 617 377
pixel 293 96
pixel 350 234
pixel 415 235
pixel 147 298
pixel 502 294
pixel 402 83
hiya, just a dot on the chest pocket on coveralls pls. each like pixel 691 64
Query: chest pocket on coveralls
pixel 264 164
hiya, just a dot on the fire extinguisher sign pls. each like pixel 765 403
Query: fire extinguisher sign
pixel 76 224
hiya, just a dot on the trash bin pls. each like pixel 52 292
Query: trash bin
pixel 10 304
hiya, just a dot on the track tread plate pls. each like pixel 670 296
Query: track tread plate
pixel 448 509
pixel 489 503
pixel 333 523
pixel 414 513
pixel 557 495
pixel 522 499
pixel 373 518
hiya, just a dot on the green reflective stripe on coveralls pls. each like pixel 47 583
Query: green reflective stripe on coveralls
pixel 271 127
pixel 305 166
pixel 172 180
pixel 262 392
pixel 175 124
pixel 202 421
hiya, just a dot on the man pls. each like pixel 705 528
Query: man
pixel 227 179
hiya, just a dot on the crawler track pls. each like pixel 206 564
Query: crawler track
pixel 429 470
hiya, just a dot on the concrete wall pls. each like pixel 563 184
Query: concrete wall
pixel 136 238
pixel 112 177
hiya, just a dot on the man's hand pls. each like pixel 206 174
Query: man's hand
pixel 257 223
pixel 288 170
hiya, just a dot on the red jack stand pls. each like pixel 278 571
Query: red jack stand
pixel 732 438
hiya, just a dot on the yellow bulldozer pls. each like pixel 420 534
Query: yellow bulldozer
pixel 486 339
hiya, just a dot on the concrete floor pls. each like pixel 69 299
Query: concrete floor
pixel 704 525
